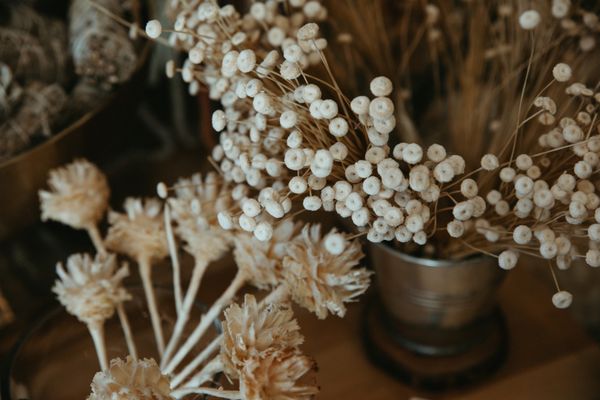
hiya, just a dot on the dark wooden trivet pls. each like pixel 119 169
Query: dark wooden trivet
pixel 427 372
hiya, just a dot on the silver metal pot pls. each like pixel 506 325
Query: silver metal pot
pixel 441 293
pixel 432 309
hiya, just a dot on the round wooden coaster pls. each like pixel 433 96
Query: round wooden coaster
pixel 428 372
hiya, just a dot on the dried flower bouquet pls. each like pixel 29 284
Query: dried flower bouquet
pixel 289 135
pixel 293 138
pixel 259 347
pixel 53 71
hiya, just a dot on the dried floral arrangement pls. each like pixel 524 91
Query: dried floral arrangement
pixel 53 71
pixel 517 176
pixel 514 94
pixel 259 344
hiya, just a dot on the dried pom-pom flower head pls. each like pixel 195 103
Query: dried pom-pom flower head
pixel 261 260
pixel 78 195
pixel 131 379
pixel 279 374
pixel 195 208
pixel 91 289
pixel 140 232
pixel 319 280
pixel 249 330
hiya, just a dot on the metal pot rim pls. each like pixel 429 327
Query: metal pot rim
pixel 429 262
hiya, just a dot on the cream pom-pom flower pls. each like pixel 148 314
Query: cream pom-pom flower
pixel 140 232
pixel 259 260
pixel 278 374
pixel 78 195
pixel 250 329
pixel 320 281
pixel 195 208
pixel 131 379
pixel 91 289
pixel 141 235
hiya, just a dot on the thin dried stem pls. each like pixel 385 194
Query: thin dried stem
pixel 145 269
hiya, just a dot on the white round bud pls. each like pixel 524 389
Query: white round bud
pixel 153 29
pixel 436 153
pixel 469 188
pixel 592 258
pixel 529 19
pixel 335 243
pixel 360 105
pixel 297 185
pixel 562 299
pixel 263 231
pixel 522 234
pixel 489 162
pixel 412 153
pixel 455 228
pixel 161 190
pixel 225 220
pixel 381 86
pixel 562 72
pixel 312 203
pixel 508 259
pixel 288 119
pixel 338 127
pixel 219 121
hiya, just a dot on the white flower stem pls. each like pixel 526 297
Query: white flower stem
pixel 207 373
pixel 188 302
pixel 174 259
pixel 200 358
pixel 146 274
pixel 205 322
pixel 96 238
pixel 97 333
pixel 127 331
pixel 222 394
pixel 279 295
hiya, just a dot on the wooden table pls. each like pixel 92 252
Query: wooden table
pixel 550 356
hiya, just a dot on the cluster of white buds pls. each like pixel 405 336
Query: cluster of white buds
pixel 286 138
pixel 577 22
pixel 546 204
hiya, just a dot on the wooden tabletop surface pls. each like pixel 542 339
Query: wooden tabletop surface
pixel 550 356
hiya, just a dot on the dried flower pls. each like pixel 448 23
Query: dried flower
pixel 260 260
pixel 275 375
pixel 131 380
pixel 90 289
pixel 195 209
pixel 78 195
pixel 320 281
pixel 140 232
pixel 250 330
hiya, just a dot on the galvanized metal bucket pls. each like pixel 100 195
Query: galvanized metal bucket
pixel 433 309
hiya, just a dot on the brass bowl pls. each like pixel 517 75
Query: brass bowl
pixel 94 136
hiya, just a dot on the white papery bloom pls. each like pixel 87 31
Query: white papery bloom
pixel 78 195
pixel 131 379
pixel 91 289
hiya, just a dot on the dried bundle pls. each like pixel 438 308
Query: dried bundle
pixel 39 112
pixel 260 344
pixel 27 57
pixel 289 132
pixel 11 92
pixel 91 290
pixel 101 48
pixel 51 34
